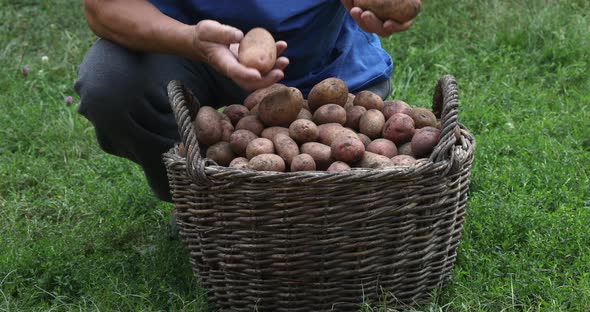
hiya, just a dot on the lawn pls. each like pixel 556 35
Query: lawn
pixel 80 230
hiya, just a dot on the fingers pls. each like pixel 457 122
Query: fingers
pixel 212 31
pixel 348 4
pixel 281 46
pixel 369 22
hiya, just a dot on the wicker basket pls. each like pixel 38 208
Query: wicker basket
pixel 319 241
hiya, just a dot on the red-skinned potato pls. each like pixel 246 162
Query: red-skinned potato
pixel 353 116
pixel 328 132
pixel 371 123
pixel 372 160
pixel 399 128
pixel 405 149
pixel 280 107
pixel 329 113
pixel 258 50
pixel 259 146
pixel 239 162
pixel 256 96
pixel 347 148
pixel 401 11
pixel 239 141
pixel 423 117
pixel 321 153
pixel 365 139
pixel 207 125
pixel 251 123
pixel 403 160
pixel 303 162
pixel 271 132
pixel 305 114
pixel 424 141
pixel 391 107
pixel 338 166
pixel 267 162
pixel 221 153
pixel 368 100
pixel 383 147
pixel 328 91
pixel 285 147
pixel 303 130
pixel 227 129
pixel 235 112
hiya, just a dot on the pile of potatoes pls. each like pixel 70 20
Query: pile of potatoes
pixel 276 129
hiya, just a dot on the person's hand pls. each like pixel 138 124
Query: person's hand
pixel 370 23
pixel 217 44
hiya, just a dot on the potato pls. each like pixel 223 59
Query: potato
pixel 372 160
pixel 255 97
pixel 239 141
pixel 371 123
pixel 403 160
pixel 368 100
pixel 267 162
pixel 365 139
pixel 207 125
pixel 353 116
pixel 395 106
pixel 328 91
pixel 280 107
pixel 383 147
pixel 259 146
pixel 239 162
pixel 321 153
pixel 303 130
pixel 303 162
pixel 305 114
pixel 405 149
pixel 235 112
pixel 329 113
pixel 221 153
pixel 285 147
pixel 226 130
pixel 423 117
pixel 305 105
pixel 349 101
pixel 399 128
pixel 223 116
pixel 338 166
pixel 258 50
pixel 401 11
pixel 251 123
pixel 270 132
pixel 329 131
pixel 347 148
pixel 424 141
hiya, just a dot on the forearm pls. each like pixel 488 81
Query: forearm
pixel 138 25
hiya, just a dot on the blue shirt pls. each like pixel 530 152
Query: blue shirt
pixel 323 40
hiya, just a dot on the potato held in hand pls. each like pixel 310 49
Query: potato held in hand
pixel 400 11
pixel 258 50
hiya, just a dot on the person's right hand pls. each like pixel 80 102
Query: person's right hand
pixel 211 43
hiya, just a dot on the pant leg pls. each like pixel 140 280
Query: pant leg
pixel 382 89
pixel 123 94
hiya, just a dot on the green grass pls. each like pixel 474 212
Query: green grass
pixel 80 230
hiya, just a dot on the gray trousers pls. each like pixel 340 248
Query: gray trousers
pixel 123 94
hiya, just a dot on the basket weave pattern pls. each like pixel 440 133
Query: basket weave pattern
pixel 318 241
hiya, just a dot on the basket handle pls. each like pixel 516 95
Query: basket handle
pixel 185 107
pixel 445 105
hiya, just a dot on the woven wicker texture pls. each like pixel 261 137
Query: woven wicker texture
pixel 318 241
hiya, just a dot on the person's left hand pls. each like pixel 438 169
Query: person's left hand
pixel 370 23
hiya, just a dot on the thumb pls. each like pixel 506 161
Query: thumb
pixel 213 31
